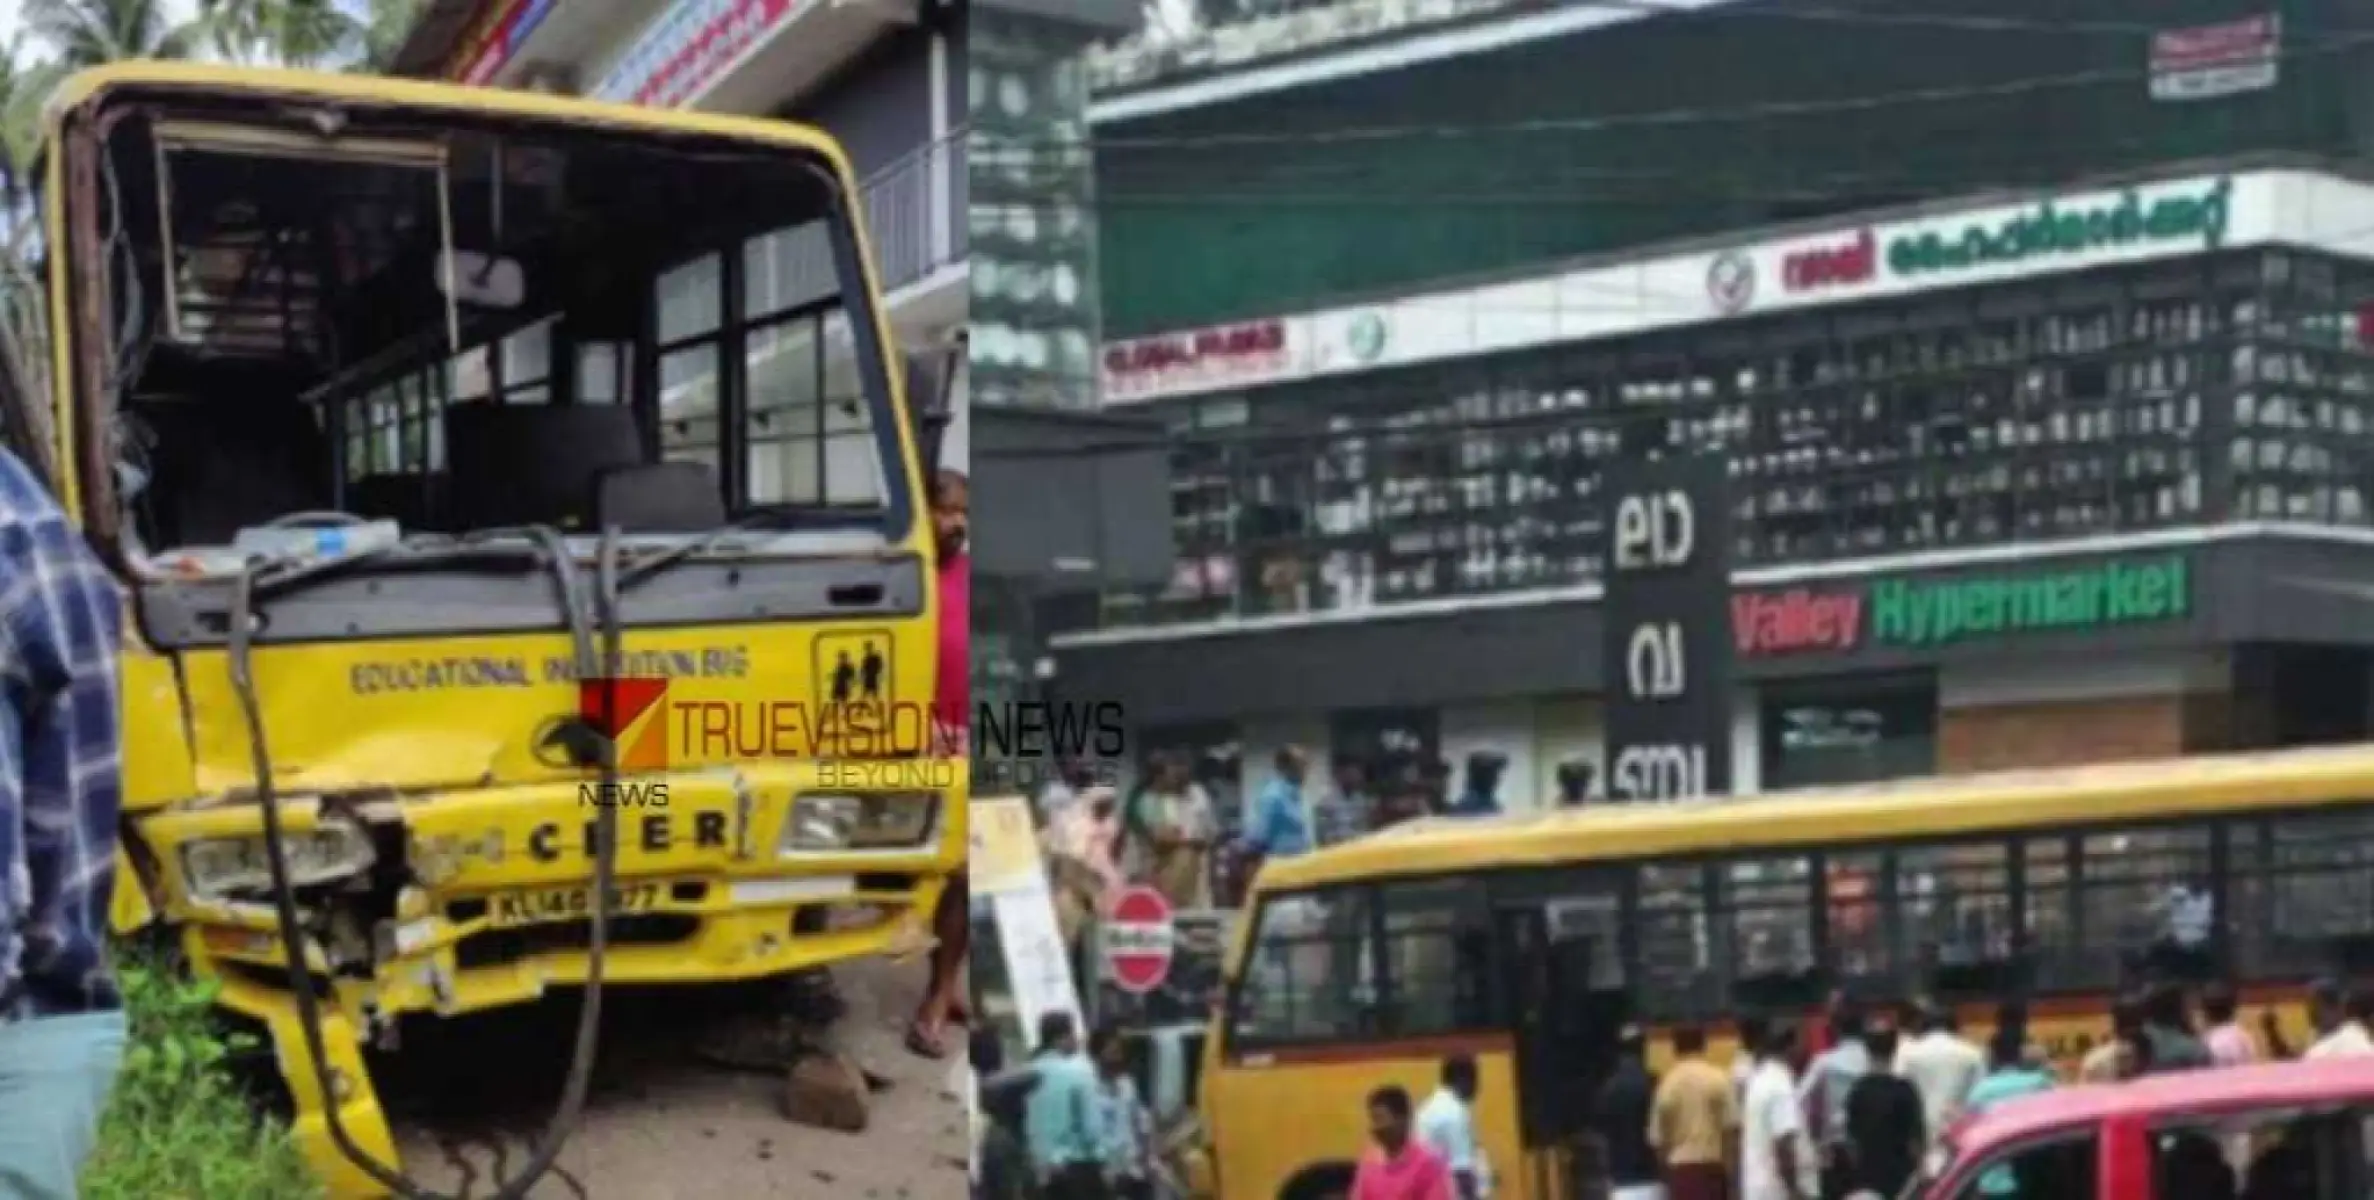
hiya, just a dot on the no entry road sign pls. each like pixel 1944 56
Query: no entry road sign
pixel 1137 941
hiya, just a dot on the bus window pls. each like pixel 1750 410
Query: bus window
pixel 386 434
pixel 601 372
pixel 688 404
pixel 524 364
pixel 690 302
pixel 1438 956
pixel 1851 916
pixel 811 440
pixel 1307 974
pixel 2049 907
pixel 787 404
pixel 2305 884
pixel 1958 918
pixel 1769 903
pixel 1594 921
pixel 1676 952
pixel 2146 903
pixel 691 333
pixel 432 408
pixel 412 428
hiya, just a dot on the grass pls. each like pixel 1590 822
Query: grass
pixel 178 1125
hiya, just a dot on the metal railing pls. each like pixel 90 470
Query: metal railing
pixel 916 212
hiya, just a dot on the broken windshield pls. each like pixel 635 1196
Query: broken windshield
pixel 335 329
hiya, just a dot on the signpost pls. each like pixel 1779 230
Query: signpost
pixel 1027 945
pixel 1667 627
pixel 1137 941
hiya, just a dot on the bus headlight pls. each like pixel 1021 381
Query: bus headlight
pixel 335 848
pixel 858 821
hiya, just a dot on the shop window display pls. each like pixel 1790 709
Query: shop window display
pixel 1831 733
pixel 2229 386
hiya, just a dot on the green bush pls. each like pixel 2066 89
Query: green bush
pixel 177 1124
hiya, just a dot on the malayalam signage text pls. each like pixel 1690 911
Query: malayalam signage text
pixel 1667 567
pixel 2060 228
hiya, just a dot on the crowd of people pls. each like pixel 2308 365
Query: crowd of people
pixel 1073 1126
pixel 1859 1119
pixel 1168 831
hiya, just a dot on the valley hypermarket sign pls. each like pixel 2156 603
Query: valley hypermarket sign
pixel 1927 613
pixel 2014 238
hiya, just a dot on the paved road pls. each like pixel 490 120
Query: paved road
pixel 660 1123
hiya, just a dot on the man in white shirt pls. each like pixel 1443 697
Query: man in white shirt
pixel 1941 1064
pixel 1446 1125
pixel 1062 791
pixel 1743 1059
pixel 2342 1020
pixel 1828 1078
pixel 1776 1163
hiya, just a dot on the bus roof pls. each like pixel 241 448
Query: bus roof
pixel 2175 1094
pixel 1929 807
pixel 461 100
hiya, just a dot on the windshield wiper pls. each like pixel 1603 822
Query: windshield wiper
pixel 771 520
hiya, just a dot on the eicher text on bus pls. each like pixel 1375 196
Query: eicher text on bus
pixel 1667 654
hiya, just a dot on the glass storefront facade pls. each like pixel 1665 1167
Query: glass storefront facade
pixel 1824 733
pixel 1670 127
pixel 1034 295
pixel 2234 386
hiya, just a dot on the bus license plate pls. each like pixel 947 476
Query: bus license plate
pixel 569 904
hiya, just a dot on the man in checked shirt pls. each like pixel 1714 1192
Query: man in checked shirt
pixel 61 782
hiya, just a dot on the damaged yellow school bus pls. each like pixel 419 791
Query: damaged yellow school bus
pixel 521 517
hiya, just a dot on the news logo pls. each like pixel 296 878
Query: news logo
pixel 627 711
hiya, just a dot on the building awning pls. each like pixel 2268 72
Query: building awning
pixel 442 25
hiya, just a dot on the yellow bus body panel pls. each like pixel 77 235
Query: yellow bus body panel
pixel 481 818
pixel 1258 1157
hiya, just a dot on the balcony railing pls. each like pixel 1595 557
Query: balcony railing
pixel 916 212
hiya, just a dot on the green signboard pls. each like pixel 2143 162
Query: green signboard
pixel 2057 229
pixel 2120 592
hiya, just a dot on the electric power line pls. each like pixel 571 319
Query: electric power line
pixel 1824 14
pixel 1360 183
pixel 987 144
pixel 1955 22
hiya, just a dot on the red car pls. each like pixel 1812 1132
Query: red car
pixel 2288 1131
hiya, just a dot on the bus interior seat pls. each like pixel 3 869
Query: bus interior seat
pixel 411 501
pixel 217 468
pixel 514 464
pixel 663 497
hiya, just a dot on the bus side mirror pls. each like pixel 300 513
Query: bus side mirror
pixel 927 399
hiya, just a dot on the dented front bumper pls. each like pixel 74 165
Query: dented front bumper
pixel 476 899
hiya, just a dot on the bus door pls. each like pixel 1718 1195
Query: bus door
pixel 1568 1002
